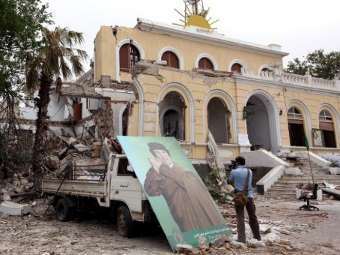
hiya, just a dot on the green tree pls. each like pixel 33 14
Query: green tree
pixel 318 63
pixel 57 56
pixel 20 27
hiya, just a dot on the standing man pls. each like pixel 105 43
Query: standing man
pixel 242 178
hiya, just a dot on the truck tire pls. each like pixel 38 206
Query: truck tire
pixel 63 209
pixel 125 224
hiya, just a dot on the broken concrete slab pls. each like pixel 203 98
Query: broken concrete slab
pixel 334 170
pixel 293 171
pixel 14 209
pixel 81 147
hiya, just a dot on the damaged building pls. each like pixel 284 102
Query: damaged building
pixel 216 95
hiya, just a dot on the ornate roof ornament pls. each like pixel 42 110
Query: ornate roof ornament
pixel 196 15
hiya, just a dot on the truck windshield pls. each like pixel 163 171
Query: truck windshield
pixel 122 168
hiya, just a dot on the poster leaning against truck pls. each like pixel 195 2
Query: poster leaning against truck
pixel 179 198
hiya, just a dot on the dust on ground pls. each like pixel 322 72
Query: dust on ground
pixel 300 232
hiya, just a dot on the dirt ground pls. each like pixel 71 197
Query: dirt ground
pixel 305 232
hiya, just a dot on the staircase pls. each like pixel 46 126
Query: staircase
pixel 285 187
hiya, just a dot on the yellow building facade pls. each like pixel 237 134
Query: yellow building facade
pixel 191 82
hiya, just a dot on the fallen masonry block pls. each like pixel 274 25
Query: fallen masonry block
pixel 334 170
pixel 14 209
pixel 238 245
pixel 293 171
pixel 253 243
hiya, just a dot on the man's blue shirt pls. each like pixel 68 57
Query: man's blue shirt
pixel 238 177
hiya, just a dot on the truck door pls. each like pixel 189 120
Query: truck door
pixel 125 186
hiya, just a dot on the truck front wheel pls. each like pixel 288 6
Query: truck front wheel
pixel 125 224
pixel 63 209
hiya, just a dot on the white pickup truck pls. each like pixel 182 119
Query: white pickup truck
pixel 116 188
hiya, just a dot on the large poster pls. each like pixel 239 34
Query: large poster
pixel 178 196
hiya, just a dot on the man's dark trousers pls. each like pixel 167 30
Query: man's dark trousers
pixel 254 225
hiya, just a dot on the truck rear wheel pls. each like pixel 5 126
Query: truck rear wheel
pixel 63 209
pixel 125 224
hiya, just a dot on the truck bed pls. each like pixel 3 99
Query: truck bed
pixel 75 187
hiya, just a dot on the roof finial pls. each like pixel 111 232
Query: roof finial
pixel 196 15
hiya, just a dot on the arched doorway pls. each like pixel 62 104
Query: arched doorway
pixel 172 116
pixel 296 127
pixel 218 120
pixel 262 125
pixel 326 124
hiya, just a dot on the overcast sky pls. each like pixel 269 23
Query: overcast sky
pixel 300 26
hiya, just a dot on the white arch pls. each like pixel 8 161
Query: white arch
pixel 265 66
pixel 119 45
pixel 273 116
pixel 336 119
pixel 306 117
pixel 186 94
pixel 176 52
pixel 228 100
pixel 241 62
pixel 206 55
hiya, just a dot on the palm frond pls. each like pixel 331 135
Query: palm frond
pixel 77 65
pixel 65 69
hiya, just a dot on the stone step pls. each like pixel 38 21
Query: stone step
pixel 282 191
pixel 316 177
pixel 280 194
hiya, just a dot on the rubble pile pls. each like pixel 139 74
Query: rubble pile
pixel 224 245
pixel 79 159
pixel 218 189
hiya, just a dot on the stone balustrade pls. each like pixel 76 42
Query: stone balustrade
pixel 297 80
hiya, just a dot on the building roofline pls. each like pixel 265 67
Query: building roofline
pixel 201 34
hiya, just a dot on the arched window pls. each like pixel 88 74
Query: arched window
pixel 205 64
pixel 171 59
pixel 172 116
pixel 128 54
pixel 236 68
pixel 296 127
pixel 326 126
pixel 294 114
pixel 267 70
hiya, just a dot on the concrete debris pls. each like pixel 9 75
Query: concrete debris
pixel 81 148
pixel 293 171
pixel 5 195
pixel 265 228
pixel 221 241
pixel 238 245
pixel 253 243
pixel 334 170
pixel 186 249
pixel 329 185
pixel 335 159
pixel 53 162
pixel 14 209
pixel 96 149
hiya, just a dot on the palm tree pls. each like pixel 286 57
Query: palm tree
pixel 56 56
